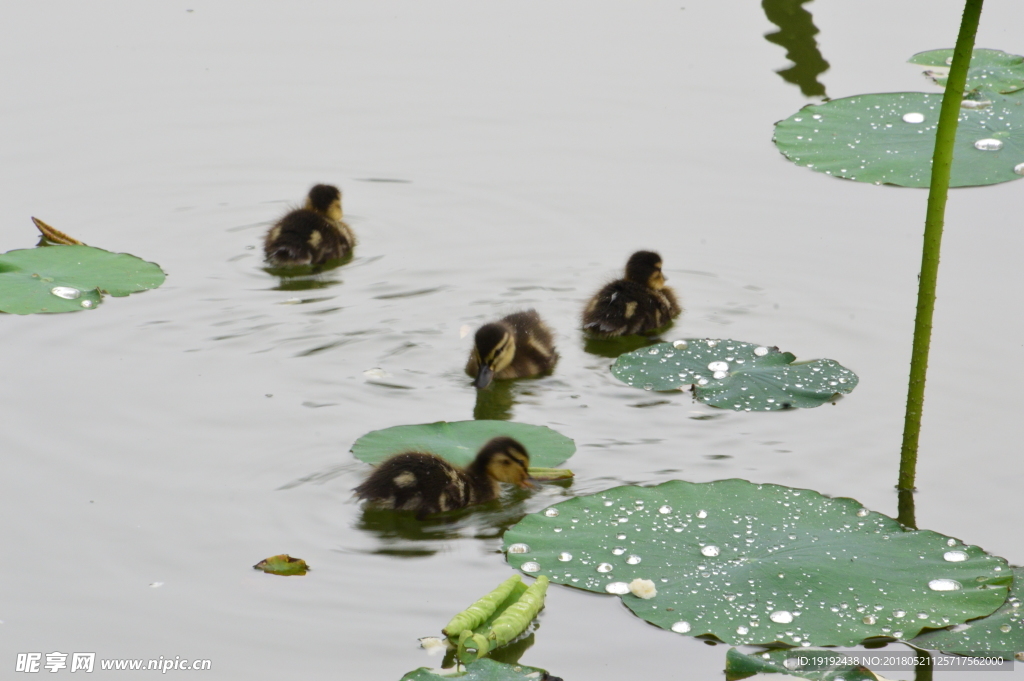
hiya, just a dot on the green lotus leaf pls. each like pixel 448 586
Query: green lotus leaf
pixel 759 564
pixel 484 669
pixel 282 564
pixel 1000 634
pixel 739 665
pixel 889 139
pixel 735 375
pixel 459 441
pixel 70 278
pixel 989 70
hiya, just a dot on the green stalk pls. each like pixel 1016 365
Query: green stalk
pixel 942 163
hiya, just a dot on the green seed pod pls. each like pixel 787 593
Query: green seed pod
pixel 517 617
pixel 475 615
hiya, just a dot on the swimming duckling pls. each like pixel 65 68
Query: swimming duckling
pixel 426 483
pixel 639 303
pixel 313 234
pixel 517 346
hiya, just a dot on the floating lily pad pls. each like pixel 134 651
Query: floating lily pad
pixel 1001 633
pixel 70 278
pixel 889 139
pixel 282 564
pixel 989 70
pixel 791 662
pixel 484 669
pixel 735 375
pixel 760 564
pixel 459 441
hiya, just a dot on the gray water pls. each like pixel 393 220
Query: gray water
pixel 159 446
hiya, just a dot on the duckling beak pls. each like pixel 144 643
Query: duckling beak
pixel 527 483
pixel 484 376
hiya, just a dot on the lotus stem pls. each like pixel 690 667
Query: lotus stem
pixel 942 163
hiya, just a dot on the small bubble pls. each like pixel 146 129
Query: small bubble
pixel 913 118
pixel 633 560
pixel 955 556
pixel 530 566
pixel 519 548
pixel 681 627
pixel 565 556
pixel 604 567
pixel 781 616
pixel 988 144
pixel 619 588
pixel 66 292
pixel 944 585
pixel 551 512
pixel 710 550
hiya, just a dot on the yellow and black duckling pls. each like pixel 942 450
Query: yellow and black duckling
pixel 517 346
pixel 426 483
pixel 313 234
pixel 638 303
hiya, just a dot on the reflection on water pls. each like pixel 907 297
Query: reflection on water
pixel 401 534
pixel 509 654
pixel 307 277
pixel 613 347
pixel 796 34
pixel 495 401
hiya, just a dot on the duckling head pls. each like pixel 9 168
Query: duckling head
pixel 505 460
pixel 644 267
pixel 494 350
pixel 326 200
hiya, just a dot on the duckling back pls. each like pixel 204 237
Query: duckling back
pixel 305 237
pixel 425 483
pixel 526 334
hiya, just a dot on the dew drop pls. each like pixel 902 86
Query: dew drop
pixel 742 631
pixel 702 513
pixel 604 567
pixel 565 556
pixel 551 512
pixel 618 551
pixel 712 343
pixel 530 566
pixel 620 537
pixel 681 627
pixel 86 303
pixel 718 366
pixel 781 616
pixel 680 344
pixel 665 509
pixel 719 375
pixel 989 144
pixel 633 559
pixel 66 292
pixel 710 550
pixel 922 615
pixel 619 588
pixel 648 386
pixel 863 512
pixel 899 613
pixel 913 118
pixel 870 619
pixel 1005 628
pixel 955 556
pixel 1019 169
pixel 702 381
pixel 944 585
pixel 519 548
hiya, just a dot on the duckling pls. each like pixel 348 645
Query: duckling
pixel 517 346
pixel 313 234
pixel 426 483
pixel 638 303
